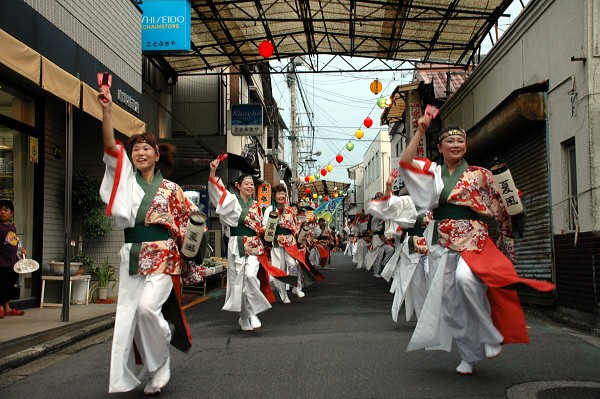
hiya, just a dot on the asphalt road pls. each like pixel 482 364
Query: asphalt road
pixel 337 342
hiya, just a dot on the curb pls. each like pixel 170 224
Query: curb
pixel 37 351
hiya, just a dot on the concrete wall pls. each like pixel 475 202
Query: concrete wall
pixel 538 47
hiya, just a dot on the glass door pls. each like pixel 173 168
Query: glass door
pixel 17 171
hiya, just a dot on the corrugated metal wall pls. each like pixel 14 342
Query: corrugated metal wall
pixel 526 158
pixel 196 106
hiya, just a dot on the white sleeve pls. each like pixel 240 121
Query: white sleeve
pixel 228 207
pixel 266 215
pixel 424 184
pixel 400 210
pixel 117 187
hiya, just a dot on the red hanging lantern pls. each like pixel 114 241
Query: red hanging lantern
pixel 323 172
pixel 306 179
pixel 266 49
pixel 339 158
pixel 368 122
pixel 326 198
pixel 307 190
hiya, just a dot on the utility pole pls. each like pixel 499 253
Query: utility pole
pixel 291 81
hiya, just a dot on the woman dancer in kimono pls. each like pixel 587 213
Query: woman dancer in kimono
pixel 154 213
pixel 285 253
pixel 467 299
pixel 407 266
pixel 361 247
pixel 248 269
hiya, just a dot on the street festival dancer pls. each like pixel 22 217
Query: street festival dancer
pixel 408 265
pixel 248 269
pixel 469 299
pixel 362 221
pixel 285 254
pixel 154 213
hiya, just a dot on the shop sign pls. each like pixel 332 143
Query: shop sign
pixel 128 101
pixel 246 120
pixel 34 154
pixel 264 195
pixel 166 25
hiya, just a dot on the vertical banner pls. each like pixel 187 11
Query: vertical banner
pixel 34 154
pixel 166 25
pixel 264 195
pixel 395 170
pixel 414 113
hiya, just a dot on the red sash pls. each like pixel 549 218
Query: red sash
pixel 498 273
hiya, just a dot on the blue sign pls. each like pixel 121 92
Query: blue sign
pixel 166 25
pixel 246 120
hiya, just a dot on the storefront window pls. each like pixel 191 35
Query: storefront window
pixel 17 172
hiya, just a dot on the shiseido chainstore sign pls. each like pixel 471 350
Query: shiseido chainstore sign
pixel 166 25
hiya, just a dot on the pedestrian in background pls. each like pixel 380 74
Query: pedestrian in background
pixel 154 214
pixel 8 258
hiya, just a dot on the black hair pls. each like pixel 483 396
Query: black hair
pixel 166 162
pixel 7 203
pixel 279 188
pixel 244 176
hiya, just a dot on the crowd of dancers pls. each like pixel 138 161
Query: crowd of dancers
pixel 444 267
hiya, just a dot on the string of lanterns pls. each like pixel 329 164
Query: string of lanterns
pixel 266 50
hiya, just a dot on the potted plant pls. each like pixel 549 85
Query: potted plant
pixel 105 272
pixel 79 263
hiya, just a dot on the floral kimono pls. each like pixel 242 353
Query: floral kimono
pixel 246 291
pixel 460 239
pixel 154 216
pixel 285 253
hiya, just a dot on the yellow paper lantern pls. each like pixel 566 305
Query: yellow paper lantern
pixel 311 178
pixel 315 195
pixel 329 167
pixel 335 195
pixel 359 134
pixel 376 86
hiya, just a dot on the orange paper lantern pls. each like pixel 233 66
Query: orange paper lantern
pixel 376 86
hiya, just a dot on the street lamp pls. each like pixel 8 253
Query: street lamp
pixel 310 162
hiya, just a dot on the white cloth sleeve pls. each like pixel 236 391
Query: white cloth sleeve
pixel 424 184
pixel 227 206
pixel 400 210
pixel 117 187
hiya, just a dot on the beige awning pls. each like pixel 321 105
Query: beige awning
pixel 29 63
pixel 123 121
pixel 60 83
pixel 19 57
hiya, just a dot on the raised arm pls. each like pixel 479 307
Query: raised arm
pixel 108 133
pixel 411 149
